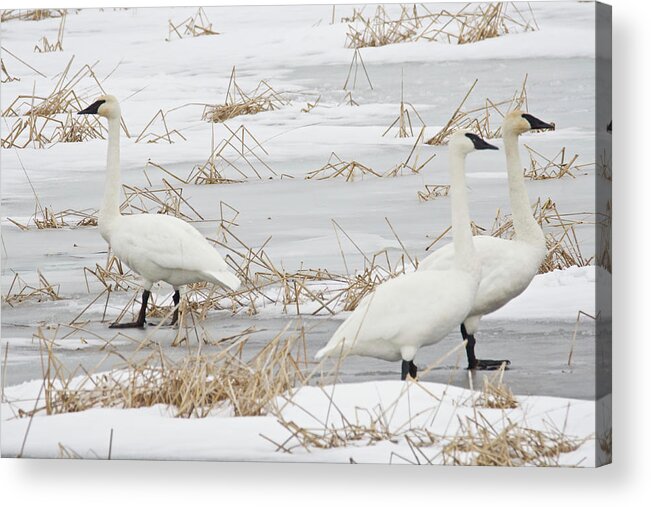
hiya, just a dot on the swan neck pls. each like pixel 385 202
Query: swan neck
pixel 111 205
pixel 464 250
pixel 524 223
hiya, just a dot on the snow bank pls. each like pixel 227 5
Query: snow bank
pixel 153 432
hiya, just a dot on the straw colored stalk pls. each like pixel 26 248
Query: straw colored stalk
pixel 485 120
pixel 557 167
pixel 431 192
pixel 194 26
pixel 194 386
pixel 238 102
pixel 48 47
pixel 20 291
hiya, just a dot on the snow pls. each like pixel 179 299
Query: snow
pixel 153 432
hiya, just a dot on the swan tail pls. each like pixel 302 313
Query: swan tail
pixel 225 279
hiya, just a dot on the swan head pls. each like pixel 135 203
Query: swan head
pixel 106 106
pixel 518 122
pixel 464 141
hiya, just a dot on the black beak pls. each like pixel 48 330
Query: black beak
pixel 537 124
pixel 479 143
pixel 609 127
pixel 93 108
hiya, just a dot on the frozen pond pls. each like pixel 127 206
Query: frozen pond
pixel 538 351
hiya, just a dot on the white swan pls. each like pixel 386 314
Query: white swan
pixel 420 308
pixel 157 247
pixel 508 266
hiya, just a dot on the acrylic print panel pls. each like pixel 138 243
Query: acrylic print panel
pixel 279 192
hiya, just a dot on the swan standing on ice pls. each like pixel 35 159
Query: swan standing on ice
pixel 508 266
pixel 157 247
pixel 420 308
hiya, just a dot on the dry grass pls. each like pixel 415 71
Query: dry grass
pixel 495 393
pixel 556 167
pixel 485 120
pixel 350 170
pixel 168 200
pixel 351 77
pixel 195 385
pixel 194 26
pixel 20 291
pixel 37 123
pixel 6 77
pixel 479 442
pixel 403 121
pixel 151 135
pixel 46 46
pixel 431 192
pixel 471 23
pixel 31 14
pixel 238 102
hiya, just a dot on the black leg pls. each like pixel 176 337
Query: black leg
pixel 479 364
pixel 470 347
pixel 176 298
pixel 408 368
pixel 413 370
pixel 140 321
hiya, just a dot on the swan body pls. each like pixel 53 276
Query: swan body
pixel 165 248
pixel 419 308
pixel 157 247
pixel 404 314
pixel 508 266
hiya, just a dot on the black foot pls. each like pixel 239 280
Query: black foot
pixel 489 364
pixel 127 325
pixel 140 322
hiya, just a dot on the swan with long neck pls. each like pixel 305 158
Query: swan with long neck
pixel 420 308
pixel 508 266
pixel 157 247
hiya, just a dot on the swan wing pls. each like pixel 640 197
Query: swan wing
pixel 149 242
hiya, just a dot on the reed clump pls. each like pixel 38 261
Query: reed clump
pixel 238 102
pixel 480 442
pixel 472 23
pixel 193 26
pixel 560 165
pixel 20 291
pixel 431 192
pixel 195 385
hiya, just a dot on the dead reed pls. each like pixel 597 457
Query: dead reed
pixel 46 46
pixel 431 192
pixel 194 26
pixel 556 167
pixel 153 136
pixel 195 385
pixel 485 120
pixel 472 23
pixel 238 102
pixel 480 442
pixel 355 63
pixel 20 291
pixel 335 167
pixel 37 124
pixel 31 14
pixel 495 393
